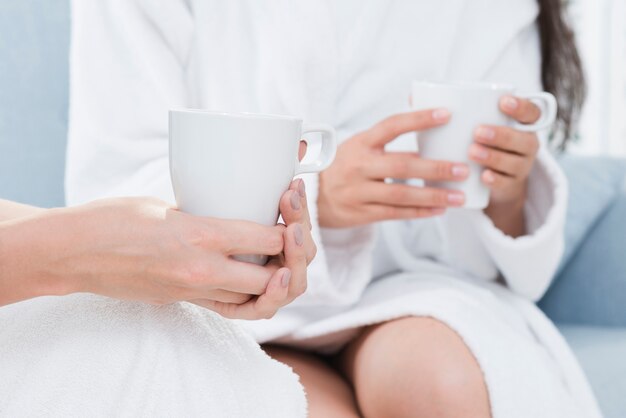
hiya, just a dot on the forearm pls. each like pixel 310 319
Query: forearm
pixel 12 210
pixel 26 243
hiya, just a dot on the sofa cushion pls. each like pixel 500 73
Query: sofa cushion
pixel 593 185
pixel 591 289
pixel 601 354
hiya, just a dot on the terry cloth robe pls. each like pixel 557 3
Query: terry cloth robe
pixel 350 67
pixel 91 356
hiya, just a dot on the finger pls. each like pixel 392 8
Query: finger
pixel 513 165
pixel 407 165
pixel 302 150
pixel 402 123
pixel 291 207
pixel 294 206
pixel 241 237
pixel 296 260
pixel 260 307
pixel 377 212
pixel 508 139
pixel 403 195
pixel 228 297
pixel 302 235
pixel 310 248
pixel 522 110
pixel 301 187
pixel 497 181
pixel 241 277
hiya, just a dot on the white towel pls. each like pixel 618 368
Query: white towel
pixel 90 356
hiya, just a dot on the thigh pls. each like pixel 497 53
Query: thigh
pixel 412 367
pixel 328 394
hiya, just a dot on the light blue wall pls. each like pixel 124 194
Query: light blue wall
pixel 34 39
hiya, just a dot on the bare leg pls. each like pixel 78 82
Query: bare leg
pixel 415 367
pixel 328 394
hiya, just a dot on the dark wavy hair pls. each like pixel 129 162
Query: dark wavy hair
pixel 561 70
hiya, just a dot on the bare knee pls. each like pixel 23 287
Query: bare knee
pixel 416 367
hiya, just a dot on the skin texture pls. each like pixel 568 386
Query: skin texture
pixel 426 372
pixel 142 249
pixel 412 367
pixel 11 210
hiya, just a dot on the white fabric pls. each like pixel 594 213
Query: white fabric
pixel 133 60
pixel 90 356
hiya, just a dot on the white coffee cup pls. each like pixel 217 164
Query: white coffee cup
pixel 238 165
pixel 471 105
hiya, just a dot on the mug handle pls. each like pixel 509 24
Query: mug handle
pixel 327 153
pixel 548 112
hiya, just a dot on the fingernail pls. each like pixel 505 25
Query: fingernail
pixel 441 114
pixel 509 103
pixel 295 201
pixel 302 188
pixel 460 171
pixel 489 177
pixel 286 278
pixel 456 198
pixel 298 235
pixel 485 133
pixel 479 152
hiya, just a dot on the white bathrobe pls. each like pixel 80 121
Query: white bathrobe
pixel 349 65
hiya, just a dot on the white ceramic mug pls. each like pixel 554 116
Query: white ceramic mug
pixel 471 105
pixel 238 165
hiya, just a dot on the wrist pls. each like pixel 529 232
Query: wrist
pixel 506 207
pixel 509 216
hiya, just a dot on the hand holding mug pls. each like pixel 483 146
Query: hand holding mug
pixel 507 153
pixel 502 117
pixel 353 190
pixel 286 271
pixel 142 249
pixel 191 258
pixel 238 165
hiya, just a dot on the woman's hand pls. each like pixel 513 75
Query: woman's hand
pixel 290 279
pixel 144 250
pixel 353 189
pixel 508 156
pixel 138 249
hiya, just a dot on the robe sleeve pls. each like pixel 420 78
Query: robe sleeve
pixel 477 247
pixel 127 65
